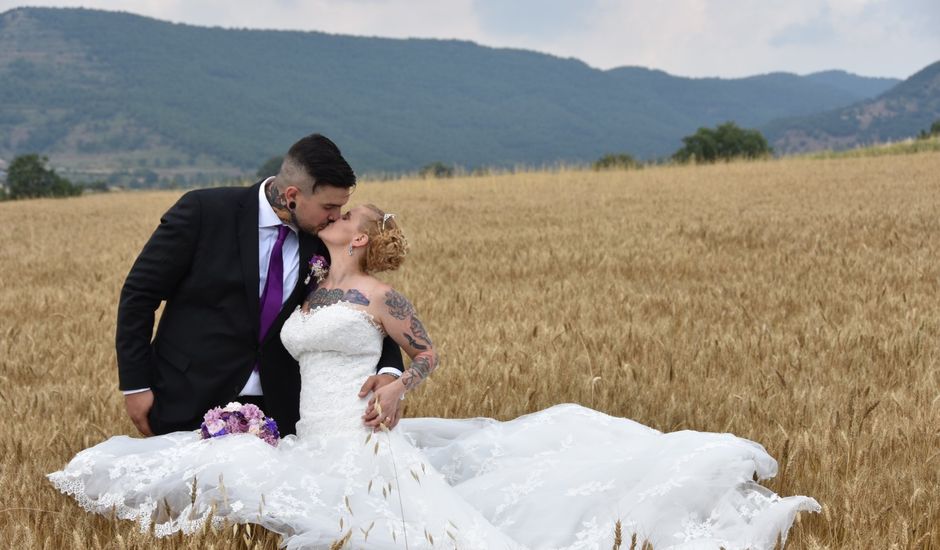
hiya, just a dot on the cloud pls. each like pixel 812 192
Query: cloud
pixel 685 37
pixel 738 38
pixel 815 32
pixel 534 20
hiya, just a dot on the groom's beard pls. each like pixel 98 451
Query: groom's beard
pixel 310 230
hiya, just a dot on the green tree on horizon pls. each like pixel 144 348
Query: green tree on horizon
pixel 933 131
pixel 28 177
pixel 436 170
pixel 725 142
pixel 611 161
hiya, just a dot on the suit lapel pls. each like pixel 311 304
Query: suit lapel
pixel 248 248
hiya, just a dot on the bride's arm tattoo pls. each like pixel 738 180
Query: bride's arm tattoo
pixel 417 328
pixel 398 306
pixel 421 367
pixel 409 331
pixel 413 343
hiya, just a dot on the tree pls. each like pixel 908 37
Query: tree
pixel 725 142
pixel 436 170
pixel 270 167
pixel 28 177
pixel 620 161
pixel 934 131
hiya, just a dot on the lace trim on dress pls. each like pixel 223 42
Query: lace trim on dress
pixel 310 313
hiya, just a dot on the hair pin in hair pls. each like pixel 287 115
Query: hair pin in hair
pixel 385 218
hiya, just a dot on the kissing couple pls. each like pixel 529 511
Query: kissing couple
pixel 273 305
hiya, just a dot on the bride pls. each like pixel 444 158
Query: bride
pixel 558 478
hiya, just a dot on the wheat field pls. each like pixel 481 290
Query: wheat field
pixel 793 302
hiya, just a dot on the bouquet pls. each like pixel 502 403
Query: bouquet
pixel 236 418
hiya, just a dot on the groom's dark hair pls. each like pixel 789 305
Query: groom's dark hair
pixel 322 161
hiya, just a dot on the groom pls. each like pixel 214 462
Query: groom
pixel 230 263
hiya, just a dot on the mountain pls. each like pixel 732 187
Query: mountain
pixel 902 112
pixel 98 91
pixel 748 101
pixel 863 86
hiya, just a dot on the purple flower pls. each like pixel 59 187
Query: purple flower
pixel 235 423
pixel 213 415
pixel 319 267
pixel 252 412
pixel 271 426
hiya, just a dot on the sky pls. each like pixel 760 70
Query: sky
pixel 727 38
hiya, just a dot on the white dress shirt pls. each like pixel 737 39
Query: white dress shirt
pixel 268 224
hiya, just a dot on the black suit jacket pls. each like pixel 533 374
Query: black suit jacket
pixel 203 261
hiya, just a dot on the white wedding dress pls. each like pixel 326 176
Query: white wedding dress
pixel 557 478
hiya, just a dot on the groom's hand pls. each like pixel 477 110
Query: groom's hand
pixel 388 401
pixel 375 382
pixel 138 406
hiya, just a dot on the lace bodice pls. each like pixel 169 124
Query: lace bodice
pixel 337 347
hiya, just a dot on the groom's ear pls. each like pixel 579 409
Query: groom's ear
pixel 290 193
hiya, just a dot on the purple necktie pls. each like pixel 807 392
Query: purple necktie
pixel 273 295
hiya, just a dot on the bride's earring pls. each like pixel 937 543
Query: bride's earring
pixel 350 251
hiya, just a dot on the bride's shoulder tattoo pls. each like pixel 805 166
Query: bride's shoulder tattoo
pixel 398 306
pixel 328 296
pixel 324 297
pixel 353 296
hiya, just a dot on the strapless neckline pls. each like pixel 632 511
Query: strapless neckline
pixel 361 313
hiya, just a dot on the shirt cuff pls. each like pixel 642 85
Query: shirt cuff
pixel 130 392
pixel 390 370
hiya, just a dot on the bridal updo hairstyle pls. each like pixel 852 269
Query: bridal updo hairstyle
pixel 387 246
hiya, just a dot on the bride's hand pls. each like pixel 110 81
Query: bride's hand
pixel 384 407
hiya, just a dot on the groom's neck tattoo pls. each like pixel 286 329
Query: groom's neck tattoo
pixel 275 197
pixel 329 296
pixel 278 203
